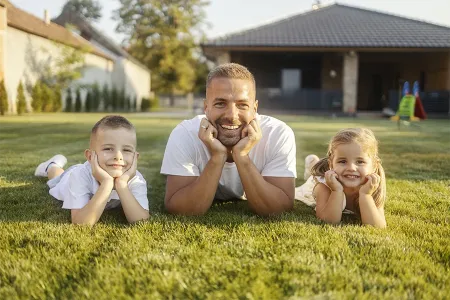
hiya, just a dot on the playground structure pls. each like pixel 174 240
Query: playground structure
pixel 410 108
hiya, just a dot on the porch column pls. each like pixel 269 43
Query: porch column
pixel 223 58
pixel 350 82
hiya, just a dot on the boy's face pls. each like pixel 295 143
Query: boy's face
pixel 115 149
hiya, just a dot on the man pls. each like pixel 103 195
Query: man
pixel 231 152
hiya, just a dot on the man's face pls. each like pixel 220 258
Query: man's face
pixel 230 105
pixel 115 149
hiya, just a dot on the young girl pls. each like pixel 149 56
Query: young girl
pixel 350 179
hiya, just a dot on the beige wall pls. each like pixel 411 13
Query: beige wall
pixel 2 41
pixel 27 55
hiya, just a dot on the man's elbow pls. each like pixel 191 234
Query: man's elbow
pixel 274 211
pixel 175 209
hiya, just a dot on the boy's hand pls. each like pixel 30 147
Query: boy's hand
pixel 372 183
pixel 250 136
pixel 99 174
pixel 122 181
pixel 332 182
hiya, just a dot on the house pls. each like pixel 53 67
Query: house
pixel 341 58
pixel 128 72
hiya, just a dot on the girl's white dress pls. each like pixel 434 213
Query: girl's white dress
pixel 304 193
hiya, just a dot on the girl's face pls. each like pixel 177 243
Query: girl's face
pixel 352 165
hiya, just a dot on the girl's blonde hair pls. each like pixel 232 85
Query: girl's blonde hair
pixel 366 139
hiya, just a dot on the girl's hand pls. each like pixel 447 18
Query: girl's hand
pixel 372 183
pixel 332 182
pixel 99 174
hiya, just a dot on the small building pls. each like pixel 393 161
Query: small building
pixel 128 73
pixel 28 45
pixel 341 58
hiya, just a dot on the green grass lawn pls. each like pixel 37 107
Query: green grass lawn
pixel 229 253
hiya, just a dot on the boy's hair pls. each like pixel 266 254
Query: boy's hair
pixel 232 71
pixel 366 139
pixel 112 122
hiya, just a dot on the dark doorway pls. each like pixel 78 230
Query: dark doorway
pixel 375 103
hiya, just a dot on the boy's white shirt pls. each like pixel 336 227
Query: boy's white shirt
pixel 79 186
pixel 274 155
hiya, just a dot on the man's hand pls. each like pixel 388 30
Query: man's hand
pixel 99 174
pixel 372 183
pixel 208 135
pixel 332 182
pixel 250 136
pixel 122 181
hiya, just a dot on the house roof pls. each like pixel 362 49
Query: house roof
pixel 29 23
pixel 340 26
pixel 92 33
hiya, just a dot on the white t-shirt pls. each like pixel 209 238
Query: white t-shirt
pixel 76 186
pixel 274 155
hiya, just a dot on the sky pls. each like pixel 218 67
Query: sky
pixel 228 16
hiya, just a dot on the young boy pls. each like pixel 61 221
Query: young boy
pixel 107 179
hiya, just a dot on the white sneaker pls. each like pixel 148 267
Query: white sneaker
pixel 59 160
pixel 310 161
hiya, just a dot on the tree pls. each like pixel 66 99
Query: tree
pixel 36 96
pixel 21 101
pixel 162 34
pixel 78 103
pixel 69 100
pixel 89 9
pixel 4 105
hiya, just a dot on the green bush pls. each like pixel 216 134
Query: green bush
pixel 78 103
pixel 36 96
pixel 96 97
pixel 47 98
pixel 106 98
pixel 21 101
pixel 154 102
pixel 69 101
pixel 88 103
pixel 114 98
pixel 145 104
pixel 121 100
pixel 4 105
pixel 57 101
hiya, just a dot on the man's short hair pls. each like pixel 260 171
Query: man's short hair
pixel 112 122
pixel 232 71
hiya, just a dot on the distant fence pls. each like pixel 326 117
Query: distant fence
pixel 433 101
pixel 277 99
pixel 301 99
